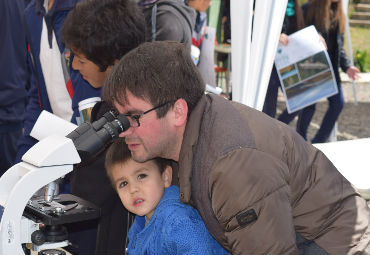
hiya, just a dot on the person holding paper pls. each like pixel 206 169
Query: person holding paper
pixel 329 19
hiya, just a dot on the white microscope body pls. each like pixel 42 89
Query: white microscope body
pixel 48 160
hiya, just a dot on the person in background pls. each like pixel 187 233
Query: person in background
pixel 53 85
pixel 13 81
pixel 200 6
pixel 258 186
pixel 99 33
pixel 329 19
pixel 293 21
pixel 226 22
pixel 204 40
pixel 168 20
pixel 163 225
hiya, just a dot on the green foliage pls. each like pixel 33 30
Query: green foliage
pixel 362 60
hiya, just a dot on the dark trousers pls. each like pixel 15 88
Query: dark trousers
pixel 336 104
pixel 269 106
pixel 8 146
pixel 307 247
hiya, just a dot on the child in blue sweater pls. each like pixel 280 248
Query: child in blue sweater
pixel 163 224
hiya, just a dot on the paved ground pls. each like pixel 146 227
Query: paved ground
pixel 354 121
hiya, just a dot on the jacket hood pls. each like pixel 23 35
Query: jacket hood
pixel 186 10
pixel 180 4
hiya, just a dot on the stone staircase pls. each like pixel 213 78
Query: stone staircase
pixel 361 16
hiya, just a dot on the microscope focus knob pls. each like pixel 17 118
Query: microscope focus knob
pixel 38 237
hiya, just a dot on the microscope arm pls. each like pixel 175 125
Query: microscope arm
pixel 48 160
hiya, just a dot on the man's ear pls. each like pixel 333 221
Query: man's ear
pixel 167 176
pixel 180 109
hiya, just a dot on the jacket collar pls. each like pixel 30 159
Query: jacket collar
pixel 189 143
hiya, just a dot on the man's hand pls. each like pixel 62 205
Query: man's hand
pixel 352 72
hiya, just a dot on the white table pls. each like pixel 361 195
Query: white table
pixel 352 159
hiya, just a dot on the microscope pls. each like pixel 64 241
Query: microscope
pixel 35 223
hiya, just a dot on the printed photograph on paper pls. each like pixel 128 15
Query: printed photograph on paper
pixel 304 69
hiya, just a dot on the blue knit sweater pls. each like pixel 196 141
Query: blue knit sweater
pixel 175 228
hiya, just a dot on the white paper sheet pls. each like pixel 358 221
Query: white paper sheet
pixel 305 71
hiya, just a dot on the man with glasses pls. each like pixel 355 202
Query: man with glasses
pixel 259 187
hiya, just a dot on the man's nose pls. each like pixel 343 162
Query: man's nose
pixel 127 132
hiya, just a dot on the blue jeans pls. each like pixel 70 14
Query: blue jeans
pixel 336 104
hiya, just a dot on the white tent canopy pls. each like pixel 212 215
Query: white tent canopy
pixel 254 48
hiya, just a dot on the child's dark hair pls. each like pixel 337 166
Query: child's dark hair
pixel 104 30
pixel 119 153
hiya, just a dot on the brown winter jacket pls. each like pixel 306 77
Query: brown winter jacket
pixel 255 182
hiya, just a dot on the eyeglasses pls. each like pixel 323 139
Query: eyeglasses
pixel 134 119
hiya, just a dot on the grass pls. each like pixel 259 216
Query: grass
pixel 360 38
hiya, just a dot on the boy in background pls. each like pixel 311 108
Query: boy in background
pixel 163 224
pixel 99 33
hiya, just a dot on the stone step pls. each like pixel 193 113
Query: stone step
pixel 360 23
pixel 364 2
pixel 362 7
pixel 361 16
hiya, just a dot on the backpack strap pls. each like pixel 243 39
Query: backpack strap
pixel 154 22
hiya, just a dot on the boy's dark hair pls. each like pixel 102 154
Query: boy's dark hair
pixel 158 72
pixel 104 30
pixel 118 153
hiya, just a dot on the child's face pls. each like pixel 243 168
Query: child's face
pixel 89 70
pixel 140 185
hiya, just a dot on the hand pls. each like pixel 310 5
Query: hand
pixel 352 72
pixel 284 39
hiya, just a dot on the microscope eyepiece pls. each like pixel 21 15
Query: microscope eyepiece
pixel 90 138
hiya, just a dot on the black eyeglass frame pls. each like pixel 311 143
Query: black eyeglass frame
pixel 136 117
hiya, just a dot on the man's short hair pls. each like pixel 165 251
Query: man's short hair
pixel 104 30
pixel 158 72
pixel 118 153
